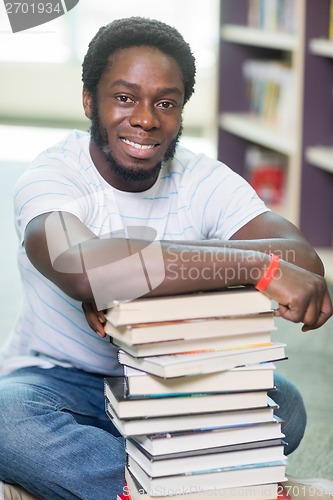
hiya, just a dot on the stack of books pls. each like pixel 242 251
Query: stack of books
pixel 193 403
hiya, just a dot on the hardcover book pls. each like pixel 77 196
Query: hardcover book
pixel 134 426
pixel 191 329
pixel 244 378
pixel 126 407
pixel 231 301
pixel 176 442
pixel 177 365
pixel 205 344
pixel 257 492
pixel 207 459
pixel 231 477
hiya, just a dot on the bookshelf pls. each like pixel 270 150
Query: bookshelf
pixel 297 38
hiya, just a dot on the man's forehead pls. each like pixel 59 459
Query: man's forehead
pixel 137 60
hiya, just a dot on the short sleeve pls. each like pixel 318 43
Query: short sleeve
pixel 222 201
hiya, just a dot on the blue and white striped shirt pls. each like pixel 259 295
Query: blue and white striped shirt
pixel 194 198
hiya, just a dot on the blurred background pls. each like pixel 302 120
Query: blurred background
pixel 263 104
pixel 41 67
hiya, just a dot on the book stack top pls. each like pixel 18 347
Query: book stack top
pixel 194 333
pixel 193 403
pixel 236 301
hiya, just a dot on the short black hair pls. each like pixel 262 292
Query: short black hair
pixel 137 31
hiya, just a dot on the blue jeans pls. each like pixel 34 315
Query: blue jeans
pixel 57 442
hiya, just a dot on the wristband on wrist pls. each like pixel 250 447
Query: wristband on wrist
pixel 269 273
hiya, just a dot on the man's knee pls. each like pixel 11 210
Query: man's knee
pixel 19 406
pixel 291 410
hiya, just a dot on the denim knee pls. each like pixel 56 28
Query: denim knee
pixel 13 415
pixel 291 410
pixel 46 451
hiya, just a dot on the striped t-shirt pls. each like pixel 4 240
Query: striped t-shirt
pixel 194 198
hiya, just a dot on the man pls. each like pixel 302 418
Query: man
pixel 75 208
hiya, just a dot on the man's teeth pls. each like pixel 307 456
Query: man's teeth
pixel 139 146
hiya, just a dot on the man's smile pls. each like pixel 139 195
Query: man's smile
pixel 139 146
pixel 140 150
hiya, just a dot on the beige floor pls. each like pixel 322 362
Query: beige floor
pixel 310 366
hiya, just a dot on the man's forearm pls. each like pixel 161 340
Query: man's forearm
pixel 295 251
pixel 190 267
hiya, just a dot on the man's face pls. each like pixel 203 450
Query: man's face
pixel 136 119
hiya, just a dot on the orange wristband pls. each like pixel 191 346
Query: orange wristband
pixel 269 273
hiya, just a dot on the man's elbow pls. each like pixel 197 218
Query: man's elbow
pixel 315 263
pixel 77 287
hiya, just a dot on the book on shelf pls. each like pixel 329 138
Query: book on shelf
pixel 208 459
pixel 267 472
pixel 270 89
pixel 204 344
pixel 266 172
pixel 186 441
pixel 274 16
pixel 177 365
pixel 191 329
pixel 242 300
pixel 244 378
pixel 127 407
pixel 257 492
pixel 135 426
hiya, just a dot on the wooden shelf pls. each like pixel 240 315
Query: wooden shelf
pixel 321 47
pixel 308 52
pixel 321 157
pixel 254 129
pixel 326 255
pixel 260 38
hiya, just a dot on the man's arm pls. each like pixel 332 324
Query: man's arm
pixel 271 233
pixel 302 295
pixel 278 236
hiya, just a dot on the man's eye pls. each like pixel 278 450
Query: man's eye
pixel 124 98
pixel 166 104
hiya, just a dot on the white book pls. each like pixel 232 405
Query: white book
pixel 205 460
pixel 136 426
pixel 176 442
pixel 231 301
pixel 245 378
pixel 254 492
pixel 223 478
pixel 177 365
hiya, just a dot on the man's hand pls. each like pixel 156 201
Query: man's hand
pixel 302 296
pixel 95 319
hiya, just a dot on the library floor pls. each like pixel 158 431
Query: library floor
pixel 310 354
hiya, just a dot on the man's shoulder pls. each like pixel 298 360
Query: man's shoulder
pixel 71 150
pixel 187 161
pixel 72 143
pixel 185 157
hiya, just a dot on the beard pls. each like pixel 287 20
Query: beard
pixel 99 136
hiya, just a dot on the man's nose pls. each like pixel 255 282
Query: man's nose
pixel 144 115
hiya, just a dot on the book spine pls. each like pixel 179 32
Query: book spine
pixel 270 91
pixel 330 26
pixel 272 15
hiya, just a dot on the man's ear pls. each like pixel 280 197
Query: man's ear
pixel 87 103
